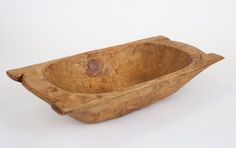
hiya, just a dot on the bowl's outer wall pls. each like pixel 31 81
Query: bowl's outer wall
pixel 133 101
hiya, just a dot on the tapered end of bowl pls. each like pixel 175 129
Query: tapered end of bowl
pixel 213 58
pixel 15 75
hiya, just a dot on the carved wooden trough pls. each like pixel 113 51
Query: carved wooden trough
pixel 111 82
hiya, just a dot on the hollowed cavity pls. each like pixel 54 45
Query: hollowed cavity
pixel 115 68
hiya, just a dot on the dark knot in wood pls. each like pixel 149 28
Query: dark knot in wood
pixel 93 66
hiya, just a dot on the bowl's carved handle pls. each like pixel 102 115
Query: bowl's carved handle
pixel 213 58
pixel 17 74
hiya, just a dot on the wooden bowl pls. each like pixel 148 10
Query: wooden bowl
pixel 111 82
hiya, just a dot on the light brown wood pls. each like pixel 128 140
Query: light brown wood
pixel 111 82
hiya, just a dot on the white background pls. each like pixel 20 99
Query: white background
pixel 201 115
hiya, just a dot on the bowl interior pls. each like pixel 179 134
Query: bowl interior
pixel 115 68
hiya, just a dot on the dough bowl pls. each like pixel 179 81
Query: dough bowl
pixel 111 82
